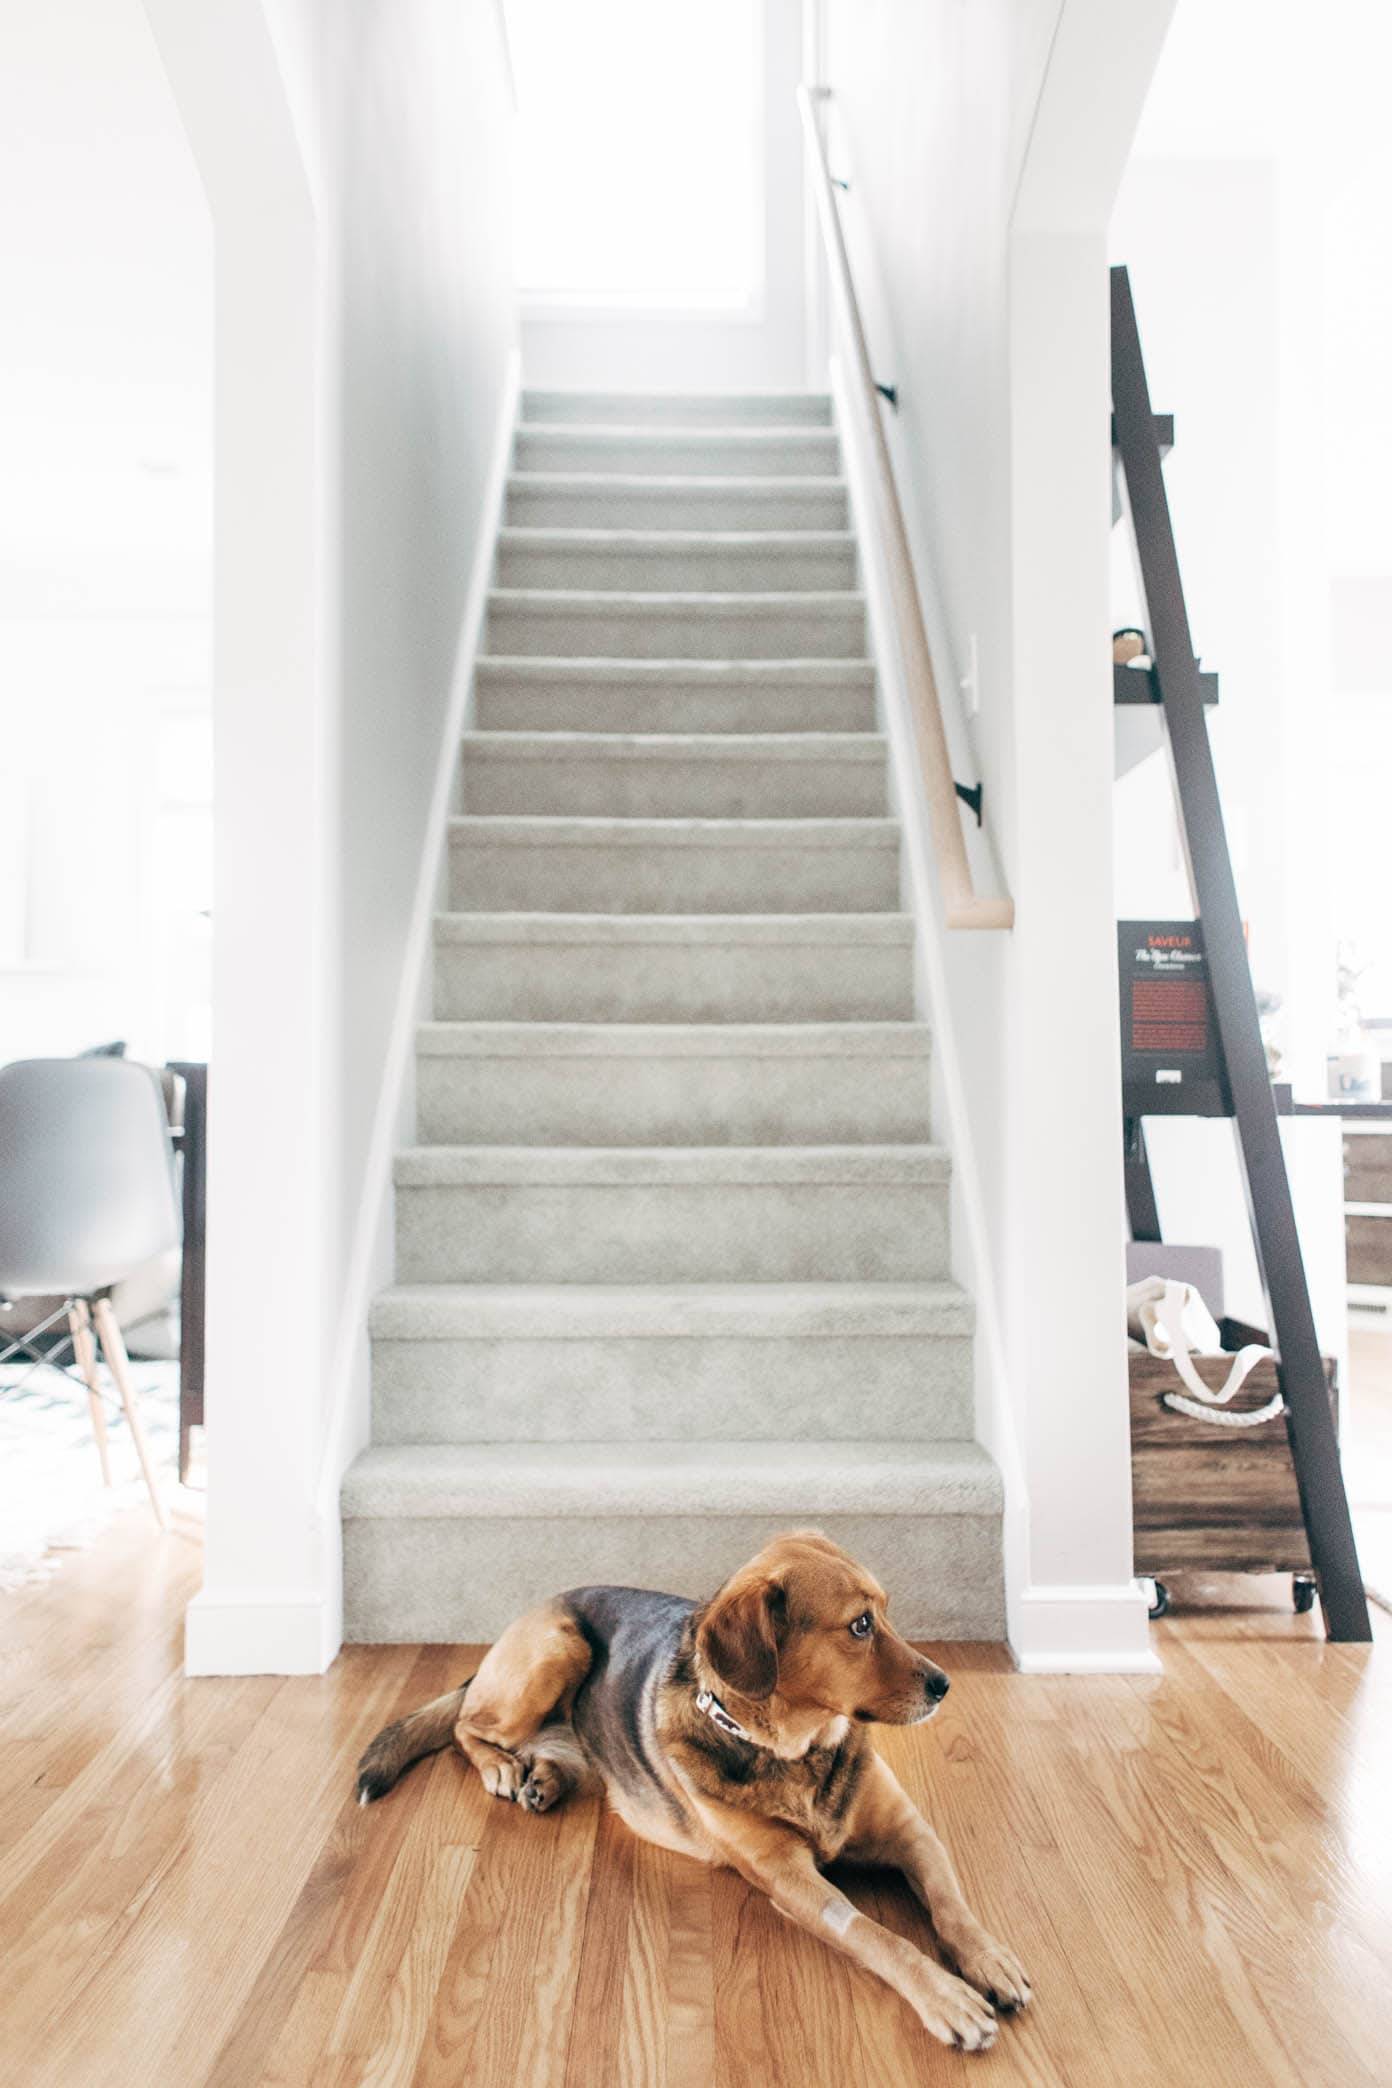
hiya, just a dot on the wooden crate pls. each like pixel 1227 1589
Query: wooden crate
pixel 1369 1245
pixel 1368 1167
pixel 1223 1499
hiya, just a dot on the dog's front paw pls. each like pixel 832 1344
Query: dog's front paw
pixel 993 1970
pixel 953 2011
pixel 503 1776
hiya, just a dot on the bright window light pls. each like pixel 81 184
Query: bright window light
pixel 639 176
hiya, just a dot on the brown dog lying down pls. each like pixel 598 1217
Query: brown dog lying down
pixel 734 1732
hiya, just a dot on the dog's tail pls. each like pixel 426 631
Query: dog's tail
pixel 421 1733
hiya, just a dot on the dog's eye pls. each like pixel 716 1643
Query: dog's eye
pixel 862 1626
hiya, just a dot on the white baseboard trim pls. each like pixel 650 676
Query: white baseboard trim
pixel 1088 1630
pixel 257 1634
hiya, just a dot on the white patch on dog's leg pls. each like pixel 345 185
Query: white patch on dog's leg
pixel 837 1915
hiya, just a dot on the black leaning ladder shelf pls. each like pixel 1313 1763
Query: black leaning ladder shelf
pixel 1178 686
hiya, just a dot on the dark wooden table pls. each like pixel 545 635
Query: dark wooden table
pixel 193 1145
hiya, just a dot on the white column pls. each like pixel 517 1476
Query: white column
pixel 1064 1266
pixel 265 1604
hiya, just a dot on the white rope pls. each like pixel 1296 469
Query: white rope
pixel 1159 1307
pixel 1180 1405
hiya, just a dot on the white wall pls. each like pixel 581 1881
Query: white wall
pixel 105 540
pixel 364 328
pixel 409 104
pixel 1253 217
pixel 983 145
pixel 1200 239
pixel 922 106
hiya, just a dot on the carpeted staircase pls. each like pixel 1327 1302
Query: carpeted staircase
pixel 672 1248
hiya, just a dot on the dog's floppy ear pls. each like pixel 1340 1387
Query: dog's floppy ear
pixel 739 1635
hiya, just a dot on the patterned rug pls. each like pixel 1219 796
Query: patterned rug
pixel 51 1493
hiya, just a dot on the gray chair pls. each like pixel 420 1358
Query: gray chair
pixel 146 1303
pixel 86 1196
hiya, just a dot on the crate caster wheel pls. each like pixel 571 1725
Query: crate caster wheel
pixel 1159 1601
pixel 1304 1589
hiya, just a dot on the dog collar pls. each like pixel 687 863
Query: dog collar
pixel 709 1702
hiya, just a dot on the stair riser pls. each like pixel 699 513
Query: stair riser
pixel 654 786
pixel 670 1232
pixel 576 628
pixel 722 569
pixel 542 877
pixel 672 1389
pixel 556 504
pixel 451 1580
pixel 677 409
pixel 794 454
pixel 638 706
pixel 749 982
pixel 604 1101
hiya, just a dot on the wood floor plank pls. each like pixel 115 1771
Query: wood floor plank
pixel 164 2006
pixel 644 2013
pixel 691 2047
pixel 1293 1905
pixel 290 2057
pixel 808 1995
pixel 1120 1900
pixel 645 2001
pixel 967 1777
pixel 522 2034
pixel 84 1651
pixel 73 1906
pixel 507 1990
pixel 595 2048
pixel 462 1995
pixel 398 2030
pixel 747 2045
pixel 1196 1867
pixel 1219 1931
pixel 24 1796
pixel 413 1878
pixel 276 2029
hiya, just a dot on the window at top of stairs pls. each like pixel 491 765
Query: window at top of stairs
pixel 639 172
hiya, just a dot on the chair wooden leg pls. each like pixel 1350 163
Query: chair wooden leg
pixel 80 1327
pixel 118 1363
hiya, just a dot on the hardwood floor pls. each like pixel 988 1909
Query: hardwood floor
pixel 1197 1870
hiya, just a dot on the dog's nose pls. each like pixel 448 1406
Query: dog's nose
pixel 936 1684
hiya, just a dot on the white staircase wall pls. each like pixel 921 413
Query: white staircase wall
pixel 366 330
pixel 1001 455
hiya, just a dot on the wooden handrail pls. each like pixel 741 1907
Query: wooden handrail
pixel 963 906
